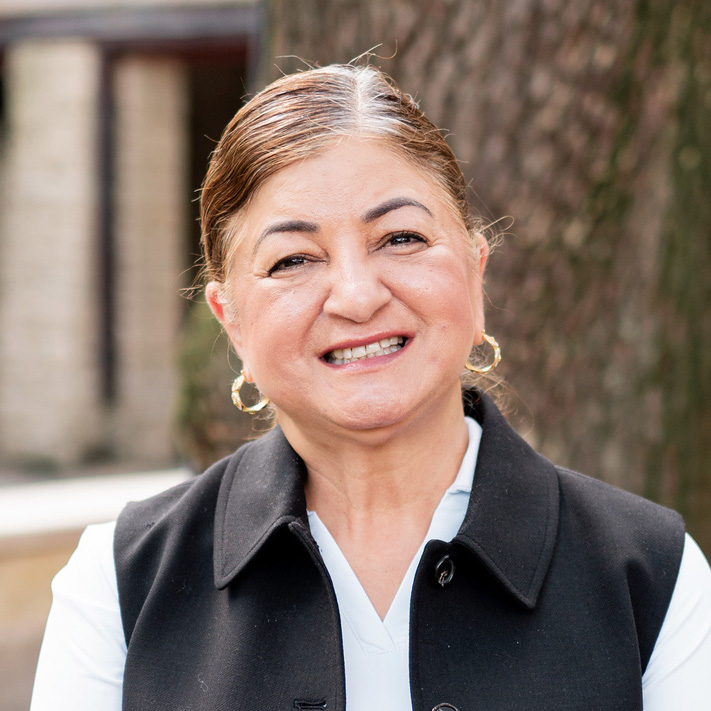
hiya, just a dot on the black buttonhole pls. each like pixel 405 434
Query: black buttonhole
pixel 308 704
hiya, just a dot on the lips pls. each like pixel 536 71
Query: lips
pixel 343 356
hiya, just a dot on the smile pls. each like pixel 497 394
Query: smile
pixel 343 356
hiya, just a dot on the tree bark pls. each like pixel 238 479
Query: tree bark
pixel 587 125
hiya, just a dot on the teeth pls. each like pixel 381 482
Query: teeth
pixel 341 356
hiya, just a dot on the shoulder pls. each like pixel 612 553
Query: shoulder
pixel 205 529
pixel 604 508
pixel 619 528
pixel 159 535
pixel 90 568
pixel 176 508
pixel 172 501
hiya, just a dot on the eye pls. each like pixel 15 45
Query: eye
pixel 289 263
pixel 404 238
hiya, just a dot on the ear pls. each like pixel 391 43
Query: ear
pixel 479 259
pixel 220 308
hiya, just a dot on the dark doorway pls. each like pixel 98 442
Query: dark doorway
pixel 217 86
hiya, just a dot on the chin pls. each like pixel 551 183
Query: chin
pixel 370 415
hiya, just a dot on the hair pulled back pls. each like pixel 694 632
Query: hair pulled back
pixel 299 115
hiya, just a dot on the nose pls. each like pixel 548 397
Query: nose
pixel 357 289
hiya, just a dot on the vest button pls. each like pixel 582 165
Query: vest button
pixel 445 707
pixel 444 572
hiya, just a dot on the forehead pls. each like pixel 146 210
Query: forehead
pixel 351 175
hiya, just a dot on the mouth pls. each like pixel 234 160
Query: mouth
pixel 385 346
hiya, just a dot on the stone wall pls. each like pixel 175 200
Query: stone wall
pixel 151 221
pixel 48 372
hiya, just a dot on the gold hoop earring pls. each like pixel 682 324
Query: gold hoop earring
pixel 497 357
pixel 237 384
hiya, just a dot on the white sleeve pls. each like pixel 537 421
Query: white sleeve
pixel 83 652
pixel 678 674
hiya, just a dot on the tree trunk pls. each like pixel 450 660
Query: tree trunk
pixel 588 124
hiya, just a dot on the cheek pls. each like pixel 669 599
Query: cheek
pixel 443 292
pixel 275 323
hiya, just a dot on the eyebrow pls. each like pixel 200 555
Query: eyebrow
pixel 287 226
pixel 393 204
pixel 311 227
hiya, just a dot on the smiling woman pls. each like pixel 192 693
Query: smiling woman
pixel 339 252
pixel 392 543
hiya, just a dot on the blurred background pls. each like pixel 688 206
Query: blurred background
pixel 585 124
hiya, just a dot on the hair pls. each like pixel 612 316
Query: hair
pixel 298 116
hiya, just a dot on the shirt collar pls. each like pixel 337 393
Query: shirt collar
pixel 462 483
pixel 510 525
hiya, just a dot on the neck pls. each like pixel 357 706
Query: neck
pixel 376 491
pixel 383 469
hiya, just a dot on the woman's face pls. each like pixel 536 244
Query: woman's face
pixel 353 253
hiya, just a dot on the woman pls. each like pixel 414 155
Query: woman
pixel 392 544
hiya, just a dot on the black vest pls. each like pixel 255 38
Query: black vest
pixel 550 597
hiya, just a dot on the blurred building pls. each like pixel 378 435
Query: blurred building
pixel 109 110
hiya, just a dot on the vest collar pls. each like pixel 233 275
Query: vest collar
pixel 262 490
pixel 510 525
pixel 511 522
